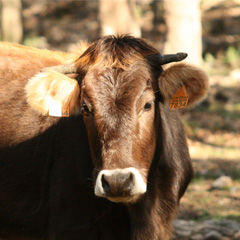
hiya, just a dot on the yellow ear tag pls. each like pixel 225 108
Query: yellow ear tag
pixel 179 99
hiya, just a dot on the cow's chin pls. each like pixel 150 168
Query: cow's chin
pixel 125 200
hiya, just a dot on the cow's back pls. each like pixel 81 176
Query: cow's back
pixel 17 64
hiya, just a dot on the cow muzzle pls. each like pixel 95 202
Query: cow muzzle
pixel 120 185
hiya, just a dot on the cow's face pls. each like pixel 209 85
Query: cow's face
pixel 117 97
pixel 118 109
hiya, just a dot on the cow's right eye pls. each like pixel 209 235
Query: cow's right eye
pixel 85 108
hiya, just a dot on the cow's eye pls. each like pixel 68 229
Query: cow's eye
pixel 85 108
pixel 148 106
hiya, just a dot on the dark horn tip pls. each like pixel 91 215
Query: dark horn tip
pixel 181 56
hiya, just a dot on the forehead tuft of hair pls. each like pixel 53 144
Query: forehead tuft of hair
pixel 115 51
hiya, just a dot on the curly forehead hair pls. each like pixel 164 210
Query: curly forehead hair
pixel 116 51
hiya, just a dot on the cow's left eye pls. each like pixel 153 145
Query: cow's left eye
pixel 148 106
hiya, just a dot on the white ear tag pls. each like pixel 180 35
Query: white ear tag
pixel 55 108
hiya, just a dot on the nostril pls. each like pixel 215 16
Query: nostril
pixel 128 181
pixel 105 184
pixel 131 177
pixel 128 177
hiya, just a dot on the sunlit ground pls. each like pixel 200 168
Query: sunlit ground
pixel 213 130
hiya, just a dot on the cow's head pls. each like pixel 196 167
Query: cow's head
pixel 119 83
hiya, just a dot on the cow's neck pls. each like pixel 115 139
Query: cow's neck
pixel 150 217
pixel 146 221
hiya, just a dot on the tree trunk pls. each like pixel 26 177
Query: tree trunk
pixel 11 19
pixel 117 17
pixel 183 19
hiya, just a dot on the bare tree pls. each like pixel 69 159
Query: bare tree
pixel 117 17
pixel 183 19
pixel 11 20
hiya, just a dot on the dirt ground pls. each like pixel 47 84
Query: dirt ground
pixel 213 130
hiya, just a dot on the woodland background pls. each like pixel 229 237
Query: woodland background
pixel 209 31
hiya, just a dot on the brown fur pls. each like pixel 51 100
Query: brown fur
pixel 105 51
pixel 116 80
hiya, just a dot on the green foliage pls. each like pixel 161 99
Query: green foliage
pixel 215 66
pixel 32 41
pixel 232 57
pixel 209 58
pixel 223 63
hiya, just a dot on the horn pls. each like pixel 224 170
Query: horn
pixel 167 58
pixel 65 68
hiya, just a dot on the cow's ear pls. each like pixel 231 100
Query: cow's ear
pixel 181 82
pixel 53 93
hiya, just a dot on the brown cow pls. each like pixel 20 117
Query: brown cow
pixel 136 143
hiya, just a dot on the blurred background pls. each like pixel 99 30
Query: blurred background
pixel 209 31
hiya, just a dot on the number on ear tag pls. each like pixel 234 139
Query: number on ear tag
pixel 179 99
